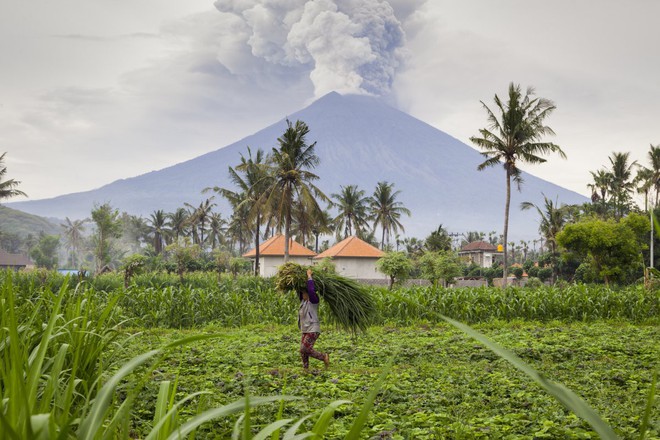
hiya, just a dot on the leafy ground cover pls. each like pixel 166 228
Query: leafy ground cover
pixel 442 384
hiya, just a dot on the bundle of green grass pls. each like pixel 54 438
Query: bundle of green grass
pixel 351 306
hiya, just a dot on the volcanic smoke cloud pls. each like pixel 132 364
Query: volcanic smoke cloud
pixel 348 46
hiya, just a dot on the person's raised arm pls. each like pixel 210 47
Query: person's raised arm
pixel 311 288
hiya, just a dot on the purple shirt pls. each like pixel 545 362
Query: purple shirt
pixel 311 291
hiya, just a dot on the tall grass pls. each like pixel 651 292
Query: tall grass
pixel 160 300
pixel 50 357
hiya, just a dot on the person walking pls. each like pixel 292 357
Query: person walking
pixel 309 325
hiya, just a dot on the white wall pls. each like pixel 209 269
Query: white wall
pixel 359 268
pixel 268 265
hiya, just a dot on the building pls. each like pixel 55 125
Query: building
pixel 271 255
pixel 481 253
pixel 354 258
pixel 14 261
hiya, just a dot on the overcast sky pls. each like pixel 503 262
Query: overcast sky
pixel 98 90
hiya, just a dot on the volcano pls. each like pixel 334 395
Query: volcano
pixel 360 140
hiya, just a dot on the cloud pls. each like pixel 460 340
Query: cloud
pixel 349 46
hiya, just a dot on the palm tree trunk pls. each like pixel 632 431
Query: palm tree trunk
pixel 287 228
pixel 256 243
pixel 506 227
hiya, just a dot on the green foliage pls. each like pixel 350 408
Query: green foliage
pixel 517 272
pixel 442 384
pixel 183 254
pixel 132 265
pixel 442 265
pixel 239 265
pixel 613 248
pixel 438 240
pixel 44 253
pixel 533 283
pixel 326 265
pixel 396 265
pixel 108 227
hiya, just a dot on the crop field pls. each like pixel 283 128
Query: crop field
pixel 160 359
pixel 442 384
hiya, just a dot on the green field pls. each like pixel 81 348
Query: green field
pixel 442 383
pixel 75 365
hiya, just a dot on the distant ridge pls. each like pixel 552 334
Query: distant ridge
pixel 360 141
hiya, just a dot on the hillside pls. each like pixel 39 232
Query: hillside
pixel 13 221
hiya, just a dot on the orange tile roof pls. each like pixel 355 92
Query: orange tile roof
pixel 351 247
pixel 274 246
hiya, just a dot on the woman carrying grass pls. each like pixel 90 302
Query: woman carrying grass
pixel 308 322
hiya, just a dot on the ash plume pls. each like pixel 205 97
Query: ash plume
pixel 348 46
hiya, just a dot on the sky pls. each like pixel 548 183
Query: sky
pixel 99 90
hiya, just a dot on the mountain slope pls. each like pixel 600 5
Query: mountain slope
pixel 361 141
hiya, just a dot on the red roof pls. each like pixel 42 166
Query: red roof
pixel 479 246
pixel 274 246
pixel 351 247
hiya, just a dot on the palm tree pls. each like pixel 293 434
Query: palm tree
pixel 292 179
pixel 352 206
pixel 252 177
pixel 8 187
pixel 621 183
pixel 386 210
pixel 216 229
pixel 649 178
pixel 177 223
pixel 553 219
pixel 157 225
pixel 515 137
pixel 600 188
pixel 73 233
pixel 199 216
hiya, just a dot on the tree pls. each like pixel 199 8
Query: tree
pixel 613 248
pixel 157 222
pixel 386 211
pixel 183 253
pixel 108 227
pixel 516 137
pixel 73 235
pixel 621 183
pixel 292 180
pixel 8 188
pixel 253 178
pixel 553 219
pixel 396 265
pixel 438 240
pixel 199 217
pixel 600 189
pixel 178 222
pixel 132 265
pixel 216 230
pixel 44 253
pixel 352 206
pixel 442 265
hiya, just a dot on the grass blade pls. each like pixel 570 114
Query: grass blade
pixel 325 418
pixel 650 402
pixel 358 424
pixel 223 411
